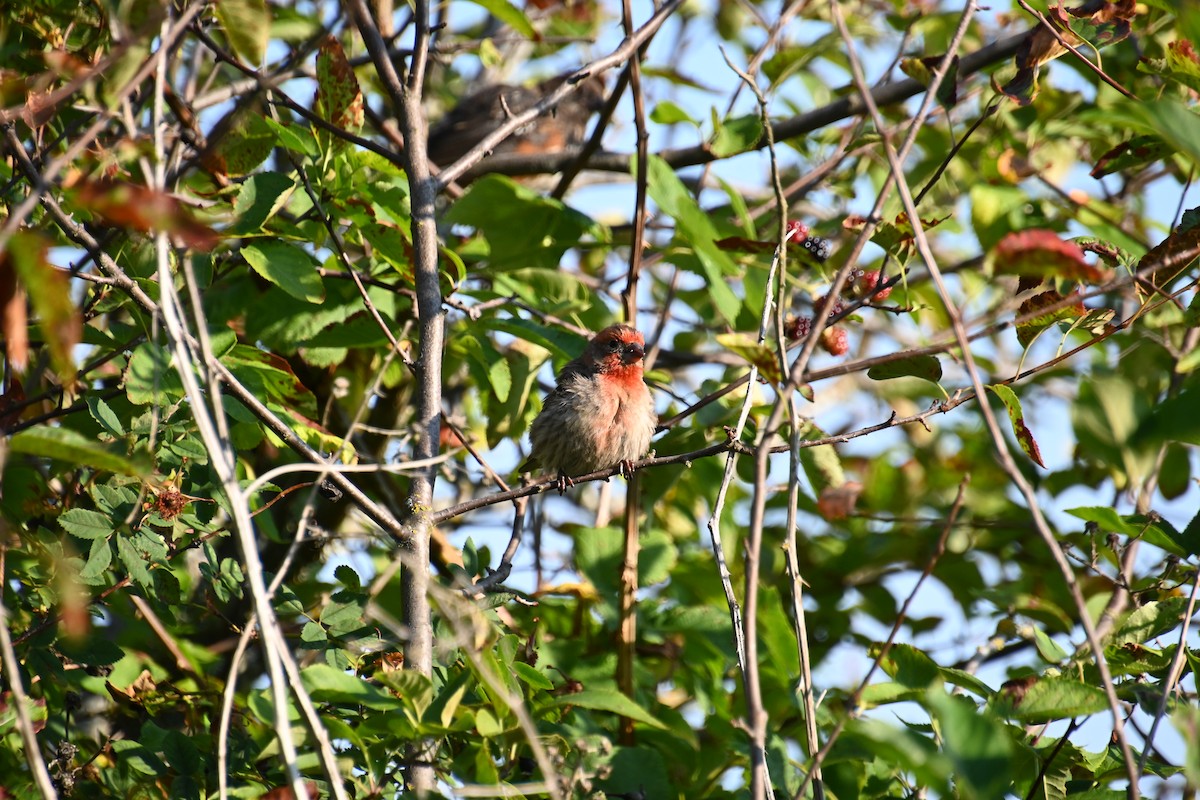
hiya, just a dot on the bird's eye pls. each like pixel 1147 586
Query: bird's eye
pixel 614 345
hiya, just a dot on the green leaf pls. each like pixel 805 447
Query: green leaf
pixel 737 135
pixel 1048 699
pixel 531 676
pixel 99 559
pixel 101 412
pixel 64 444
pixel 136 757
pixel 978 744
pixel 510 15
pixel 313 633
pixel 1047 648
pixel 1166 117
pixel 298 138
pixel 260 197
pixel 348 577
pixel 150 378
pixel 1016 418
pixel 86 524
pixel 1174 420
pixel 1148 621
pixel 521 227
pixel 608 700
pixel 668 113
pixel 1155 530
pixel 135 562
pixel 443 708
pixel 910 667
pixel 247 23
pixel 922 366
pixel 694 227
pixel 288 267
pixel 328 685
pixel 95 649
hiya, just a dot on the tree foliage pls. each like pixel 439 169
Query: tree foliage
pixel 919 287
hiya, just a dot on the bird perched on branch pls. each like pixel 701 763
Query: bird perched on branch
pixel 482 112
pixel 600 414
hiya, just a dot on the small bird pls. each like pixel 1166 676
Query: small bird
pixel 482 112
pixel 600 413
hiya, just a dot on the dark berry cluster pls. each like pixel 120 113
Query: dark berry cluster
pixel 834 339
pixel 819 247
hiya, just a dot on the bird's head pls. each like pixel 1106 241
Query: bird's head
pixel 617 349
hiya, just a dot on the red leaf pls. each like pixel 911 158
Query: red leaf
pixel 839 503
pixel 1040 253
pixel 14 320
pixel 127 205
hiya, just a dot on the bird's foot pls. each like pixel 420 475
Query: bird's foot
pixel 563 483
pixel 625 468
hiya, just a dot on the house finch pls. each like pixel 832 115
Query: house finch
pixel 600 413
pixel 482 112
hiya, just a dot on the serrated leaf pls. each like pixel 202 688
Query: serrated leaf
pixel 64 444
pixel 1148 621
pixel 134 562
pixel 288 267
pixel 347 576
pixel 1017 419
pixel 102 413
pixel 926 367
pixel 99 560
pixel 86 524
pixel 313 633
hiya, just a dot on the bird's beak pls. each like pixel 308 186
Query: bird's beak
pixel 634 352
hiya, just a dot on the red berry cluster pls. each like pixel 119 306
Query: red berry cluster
pixel 795 231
